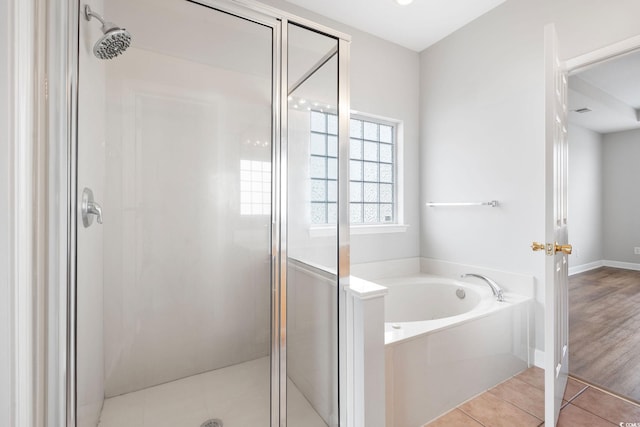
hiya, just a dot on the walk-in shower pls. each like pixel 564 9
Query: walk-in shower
pixel 202 298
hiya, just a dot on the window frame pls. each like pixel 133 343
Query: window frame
pixel 398 225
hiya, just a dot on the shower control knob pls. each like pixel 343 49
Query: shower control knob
pixel 89 208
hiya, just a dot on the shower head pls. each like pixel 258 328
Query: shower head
pixel 114 41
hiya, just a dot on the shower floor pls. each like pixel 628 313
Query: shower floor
pixel 238 395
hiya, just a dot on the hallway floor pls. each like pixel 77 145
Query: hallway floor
pixel 604 329
pixel 519 402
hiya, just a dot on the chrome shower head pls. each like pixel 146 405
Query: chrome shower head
pixel 115 40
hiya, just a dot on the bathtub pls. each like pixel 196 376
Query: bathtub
pixel 447 340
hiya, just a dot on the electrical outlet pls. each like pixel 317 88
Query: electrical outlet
pixel 636 250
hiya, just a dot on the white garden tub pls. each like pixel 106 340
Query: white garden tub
pixel 445 341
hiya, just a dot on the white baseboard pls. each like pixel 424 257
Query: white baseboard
pixel 585 267
pixel 538 358
pixel 620 264
pixel 603 263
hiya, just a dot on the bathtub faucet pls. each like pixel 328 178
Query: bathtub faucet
pixel 497 290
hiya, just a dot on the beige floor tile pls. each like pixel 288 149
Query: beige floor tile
pixel 572 416
pixel 533 376
pixel 523 395
pixel 607 406
pixel 494 412
pixel 455 418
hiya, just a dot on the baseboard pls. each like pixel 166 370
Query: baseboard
pixel 585 267
pixel 538 358
pixel 603 263
pixel 620 264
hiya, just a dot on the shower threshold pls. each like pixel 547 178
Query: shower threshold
pixel 238 395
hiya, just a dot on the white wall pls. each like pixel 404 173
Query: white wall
pixel 482 128
pixel 5 320
pixel 585 196
pixel 621 200
pixel 384 82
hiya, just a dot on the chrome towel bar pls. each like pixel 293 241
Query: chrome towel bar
pixel 492 203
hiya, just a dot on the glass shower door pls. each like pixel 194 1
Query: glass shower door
pixel 174 287
pixel 312 243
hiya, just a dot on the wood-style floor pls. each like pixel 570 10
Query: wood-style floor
pixel 604 329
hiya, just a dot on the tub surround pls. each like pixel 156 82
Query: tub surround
pixel 449 360
pixel 486 305
pixel 518 283
pixel 365 347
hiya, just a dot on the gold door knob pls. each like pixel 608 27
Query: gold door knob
pixel 537 246
pixel 563 248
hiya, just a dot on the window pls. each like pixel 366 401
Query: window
pixel 323 167
pixel 255 187
pixel 372 170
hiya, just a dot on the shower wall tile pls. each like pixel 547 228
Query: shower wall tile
pixel 187 276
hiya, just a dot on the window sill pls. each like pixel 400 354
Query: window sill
pixel 323 231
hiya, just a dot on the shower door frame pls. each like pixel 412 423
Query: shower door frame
pixel 278 21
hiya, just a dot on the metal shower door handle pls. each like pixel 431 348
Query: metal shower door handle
pixel 89 208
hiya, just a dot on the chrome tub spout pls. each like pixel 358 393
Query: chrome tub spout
pixel 495 288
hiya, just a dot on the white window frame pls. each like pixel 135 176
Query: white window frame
pixel 399 225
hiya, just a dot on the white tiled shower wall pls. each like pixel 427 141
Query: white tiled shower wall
pixel 187 276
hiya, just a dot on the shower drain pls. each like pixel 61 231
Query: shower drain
pixel 212 423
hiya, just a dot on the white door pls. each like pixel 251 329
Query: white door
pixel 556 248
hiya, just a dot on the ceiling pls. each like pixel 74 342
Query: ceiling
pixel 415 26
pixel 611 90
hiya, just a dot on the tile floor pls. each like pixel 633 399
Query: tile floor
pixel 238 395
pixel 519 402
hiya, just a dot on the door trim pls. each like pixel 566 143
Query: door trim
pixel 598 56
pixel 27 203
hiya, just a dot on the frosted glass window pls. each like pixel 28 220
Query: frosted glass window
pixel 371 151
pixel 355 149
pixel 370 192
pixel 318 167
pixel 318 190
pixel 255 187
pixel 356 191
pixel 356 213
pixel 332 124
pixel 371 169
pixel 318 122
pixel 318 213
pixel 332 146
pixel 355 170
pixel 332 191
pixel 318 144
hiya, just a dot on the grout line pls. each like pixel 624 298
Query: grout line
pixel 471 416
pixel 517 406
pixel 505 401
pixel 594 414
